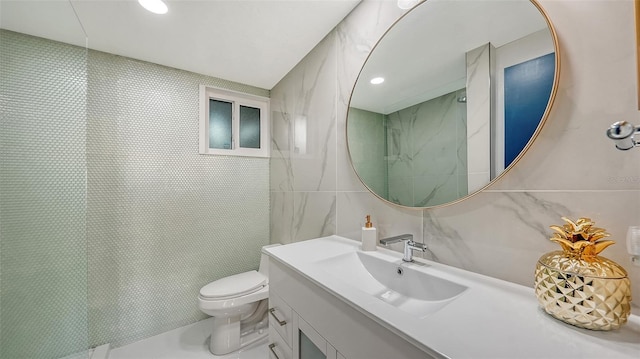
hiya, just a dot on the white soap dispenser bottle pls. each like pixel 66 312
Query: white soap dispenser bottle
pixel 369 236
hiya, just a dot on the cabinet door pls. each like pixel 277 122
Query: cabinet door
pixel 278 348
pixel 309 344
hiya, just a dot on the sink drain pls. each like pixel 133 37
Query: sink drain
pixel 400 271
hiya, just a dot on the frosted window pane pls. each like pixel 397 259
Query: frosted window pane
pixel 249 127
pixel 220 113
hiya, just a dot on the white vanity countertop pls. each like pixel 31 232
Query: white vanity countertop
pixel 491 319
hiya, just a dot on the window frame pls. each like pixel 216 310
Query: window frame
pixel 237 99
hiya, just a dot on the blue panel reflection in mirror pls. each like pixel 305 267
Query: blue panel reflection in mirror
pixel 526 92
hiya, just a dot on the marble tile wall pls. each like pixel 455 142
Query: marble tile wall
pixel 416 176
pixel 307 190
pixel 572 169
pixel 479 115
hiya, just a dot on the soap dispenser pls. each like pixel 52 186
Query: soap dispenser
pixel 369 236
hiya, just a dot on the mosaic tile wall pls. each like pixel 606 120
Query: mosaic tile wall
pixel 368 148
pixel 162 219
pixel 43 264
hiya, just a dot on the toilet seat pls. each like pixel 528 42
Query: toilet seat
pixel 238 307
pixel 234 286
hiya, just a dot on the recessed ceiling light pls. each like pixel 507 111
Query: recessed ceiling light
pixel 155 6
pixel 377 80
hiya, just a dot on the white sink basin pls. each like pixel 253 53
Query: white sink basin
pixel 429 301
pixel 406 286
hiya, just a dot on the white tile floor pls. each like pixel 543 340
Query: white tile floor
pixel 190 342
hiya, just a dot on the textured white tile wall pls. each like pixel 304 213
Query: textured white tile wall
pixel 572 169
pixel 162 219
pixel 43 263
pixel 111 220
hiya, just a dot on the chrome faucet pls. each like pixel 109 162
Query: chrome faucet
pixel 409 245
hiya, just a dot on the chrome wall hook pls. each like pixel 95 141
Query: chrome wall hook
pixel 622 133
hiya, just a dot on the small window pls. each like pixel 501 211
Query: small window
pixel 233 123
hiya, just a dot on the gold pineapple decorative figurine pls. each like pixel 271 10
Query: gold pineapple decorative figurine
pixel 579 287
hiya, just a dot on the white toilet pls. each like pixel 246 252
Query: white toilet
pixel 238 305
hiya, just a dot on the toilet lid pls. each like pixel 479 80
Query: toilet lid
pixel 235 285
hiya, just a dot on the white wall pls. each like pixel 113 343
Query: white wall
pixel 572 170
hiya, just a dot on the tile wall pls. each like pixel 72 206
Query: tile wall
pixel 369 148
pixel 43 251
pixel 162 219
pixel 438 126
pixel 572 170
pixel 479 104
pixel 108 210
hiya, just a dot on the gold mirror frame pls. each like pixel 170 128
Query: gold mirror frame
pixel 543 120
pixel 637 11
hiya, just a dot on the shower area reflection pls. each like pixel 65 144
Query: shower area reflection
pixel 43 193
pixel 416 156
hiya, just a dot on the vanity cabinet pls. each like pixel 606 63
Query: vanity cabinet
pixel 291 337
pixel 281 326
pixel 307 322
pixel 310 344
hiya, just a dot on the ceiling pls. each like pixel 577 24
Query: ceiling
pixel 254 42
pixel 423 56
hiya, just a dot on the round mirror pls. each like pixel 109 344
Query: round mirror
pixel 450 98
